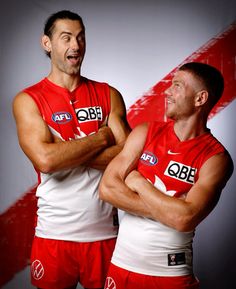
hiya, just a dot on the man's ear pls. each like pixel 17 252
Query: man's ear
pixel 46 43
pixel 201 98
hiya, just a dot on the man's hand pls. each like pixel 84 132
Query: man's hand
pixel 132 180
pixel 107 134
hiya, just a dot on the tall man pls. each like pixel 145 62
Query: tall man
pixel 168 178
pixel 70 127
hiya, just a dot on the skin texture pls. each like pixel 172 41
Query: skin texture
pixel 127 189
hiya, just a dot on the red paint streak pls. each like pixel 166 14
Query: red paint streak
pixel 220 52
pixel 17 230
pixel 17 223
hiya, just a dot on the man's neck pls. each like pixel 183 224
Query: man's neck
pixel 189 129
pixel 69 82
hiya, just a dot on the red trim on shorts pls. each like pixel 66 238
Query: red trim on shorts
pixel 119 278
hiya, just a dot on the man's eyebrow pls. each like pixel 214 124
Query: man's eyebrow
pixel 65 32
pixel 178 80
pixel 70 33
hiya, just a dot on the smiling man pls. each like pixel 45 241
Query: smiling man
pixel 70 128
pixel 168 178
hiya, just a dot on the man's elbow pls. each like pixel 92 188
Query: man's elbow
pixel 103 191
pixel 185 224
pixel 179 223
pixel 44 164
pixel 41 159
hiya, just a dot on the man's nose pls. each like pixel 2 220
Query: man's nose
pixel 168 91
pixel 75 44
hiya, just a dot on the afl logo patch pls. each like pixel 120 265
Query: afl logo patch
pixel 37 270
pixel 61 117
pixel 148 158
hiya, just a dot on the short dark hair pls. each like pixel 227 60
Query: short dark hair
pixel 210 77
pixel 63 14
pixel 60 15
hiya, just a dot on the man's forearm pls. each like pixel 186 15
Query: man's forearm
pixel 69 154
pixel 114 191
pixel 101 160
pixel 170 211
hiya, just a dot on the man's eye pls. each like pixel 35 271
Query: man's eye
pixel 177 85
pixel 81 38
pixel 66 38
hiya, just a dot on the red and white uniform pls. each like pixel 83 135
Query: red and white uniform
pixel 146 246
pixel 68 204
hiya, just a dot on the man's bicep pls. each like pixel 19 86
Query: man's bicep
pixel 129 156
pixel 31 128
pixel 117 119
pixel 206 192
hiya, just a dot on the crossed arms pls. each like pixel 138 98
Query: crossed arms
pixel 48 153
pixel 127 189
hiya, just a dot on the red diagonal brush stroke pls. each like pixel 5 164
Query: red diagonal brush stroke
pixel 220 52
pixel 17 230
pixel 17 223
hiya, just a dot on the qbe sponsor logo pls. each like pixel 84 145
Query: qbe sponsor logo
pixel 180 172
pixel 89 113
pixel 37 270
pixel 148 158
pixel 61 117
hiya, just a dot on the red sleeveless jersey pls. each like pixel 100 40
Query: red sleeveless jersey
pixel 69 207
pixel 175 164
pixel 149 247
pixel 72 114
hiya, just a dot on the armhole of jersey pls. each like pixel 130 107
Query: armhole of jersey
pixel 107 101
pixel 153 128
pixel 108 98
pixel 149 132
pixel 219 148
pixel 37 102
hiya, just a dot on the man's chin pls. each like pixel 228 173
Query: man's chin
pixel 73 71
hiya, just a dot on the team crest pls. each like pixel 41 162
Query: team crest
pixel 110 283
pixel 37 270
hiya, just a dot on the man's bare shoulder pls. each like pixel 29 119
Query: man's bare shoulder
pixel 219 168
pixel 23 102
